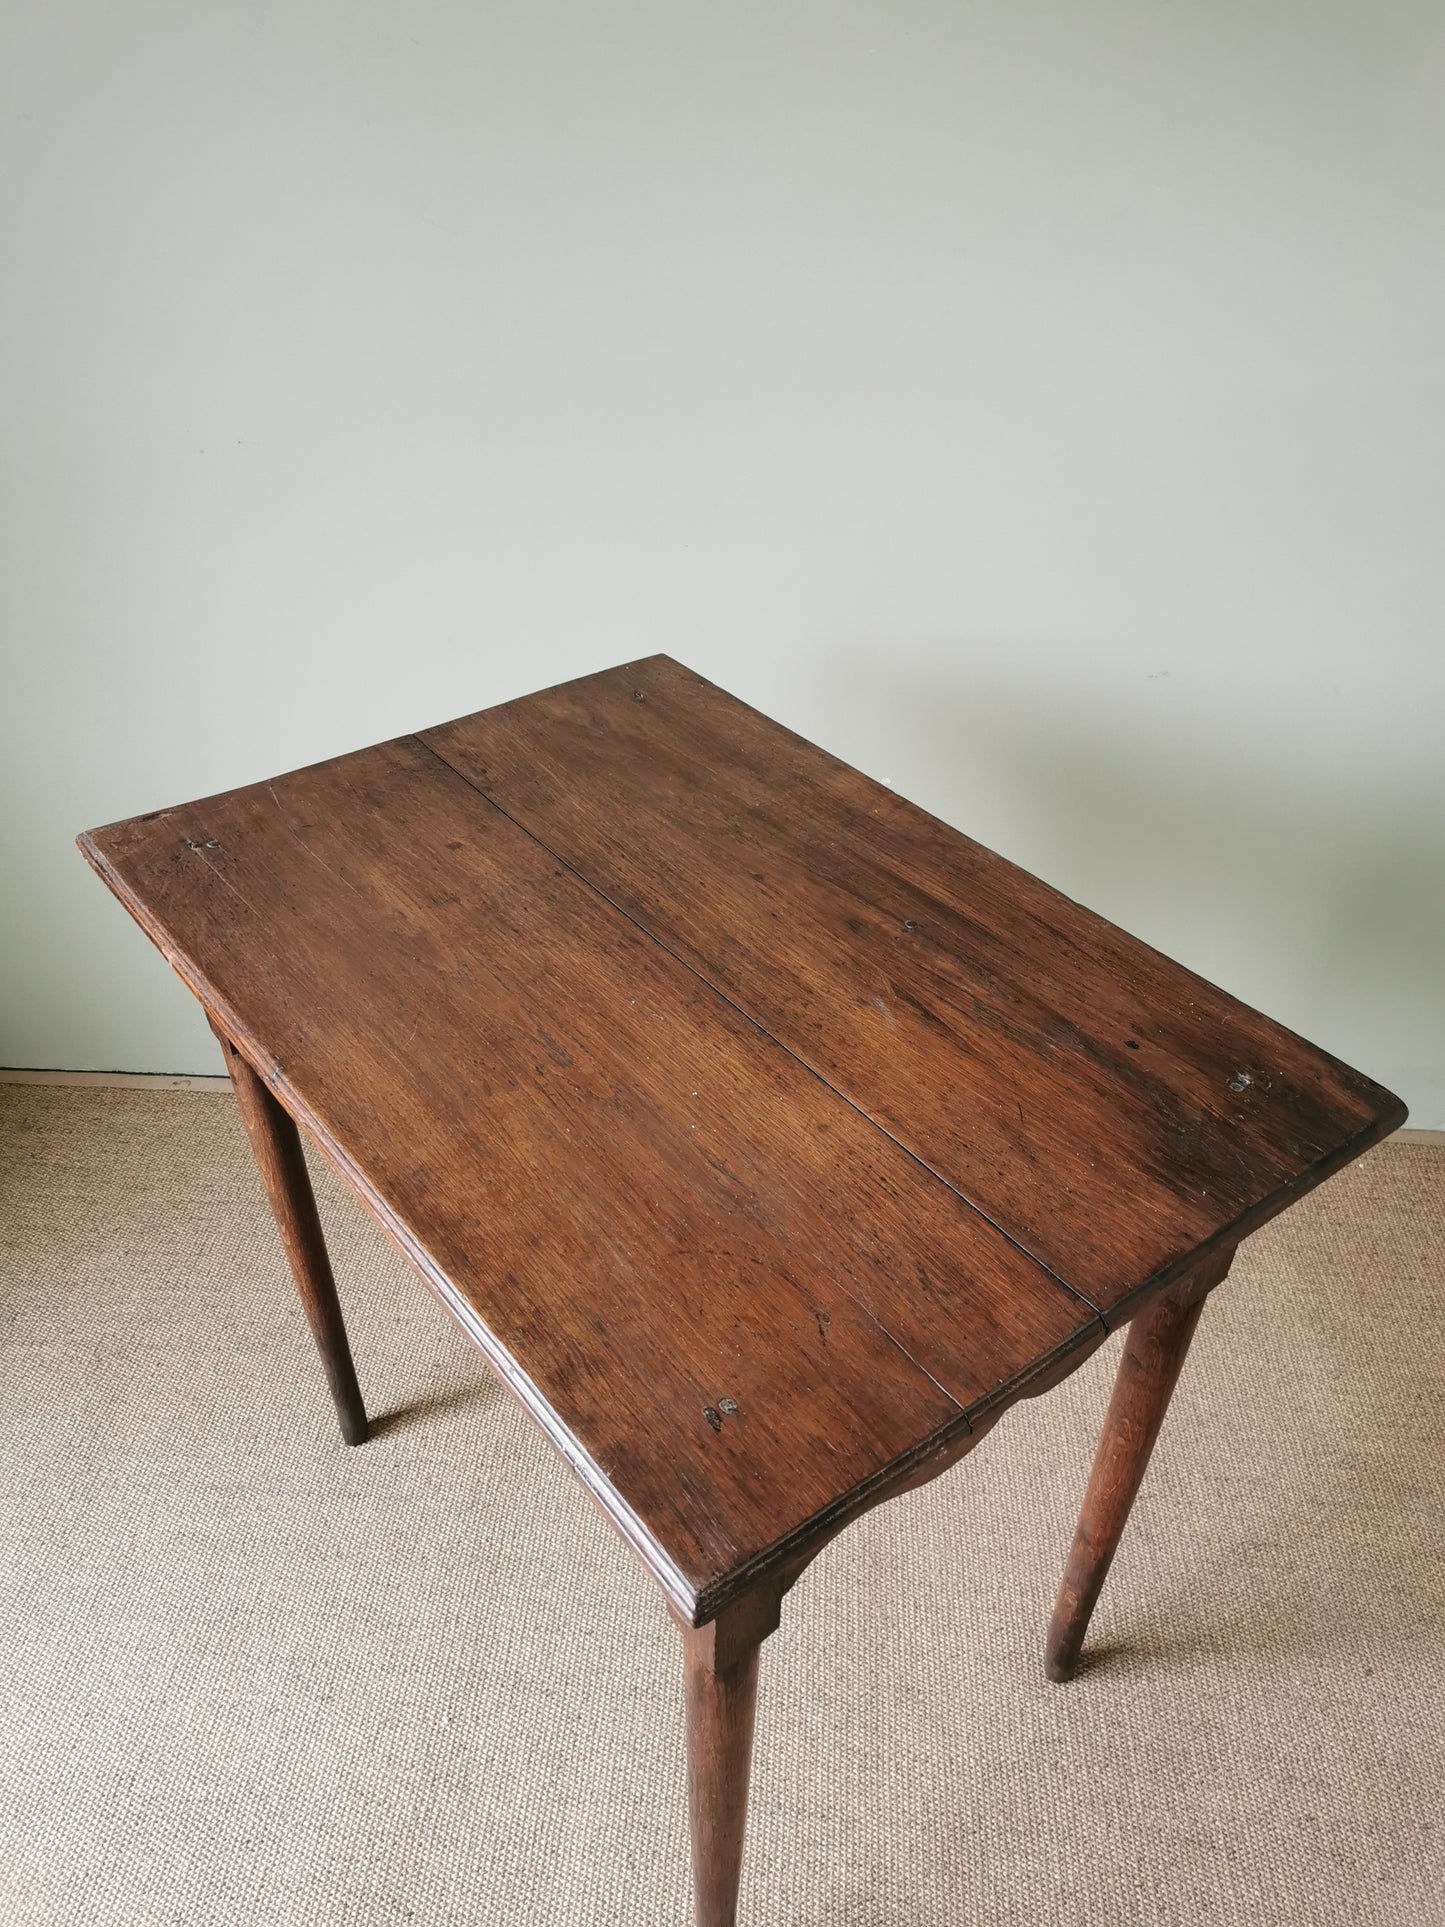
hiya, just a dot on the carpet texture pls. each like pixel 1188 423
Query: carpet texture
pixel 253 1676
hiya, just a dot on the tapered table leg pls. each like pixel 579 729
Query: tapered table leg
pixel 1154 1354
pixel 277 1147
pixel 721 1671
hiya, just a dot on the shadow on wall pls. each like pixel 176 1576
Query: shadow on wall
pixel 1288 879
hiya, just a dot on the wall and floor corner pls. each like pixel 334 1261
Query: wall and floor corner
pixel 1040 407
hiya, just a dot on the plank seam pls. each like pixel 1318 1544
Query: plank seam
pixel 742 1011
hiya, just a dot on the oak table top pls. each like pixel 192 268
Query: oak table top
pixel 768 1135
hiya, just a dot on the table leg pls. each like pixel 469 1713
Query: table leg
pixel 721 1672
pixel 1154 1354
pixel 276 1144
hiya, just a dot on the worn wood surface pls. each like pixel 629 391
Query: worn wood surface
pixel 1155 1348
pixel 739 1308
pixel 1110 1111
pixel 767 1135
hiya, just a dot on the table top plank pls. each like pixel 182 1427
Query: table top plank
pixel 735 1304
pixel 1111 1111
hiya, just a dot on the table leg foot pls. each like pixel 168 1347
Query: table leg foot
pixel 276 1144
pixel 1154 1354
pixel 721 1672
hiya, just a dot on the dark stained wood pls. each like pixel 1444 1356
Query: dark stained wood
pixel 720 1671
pixel 277 1149
pixel 1110 1111
pixel 769 1137
pixel 741 1311
pixel 1154 1352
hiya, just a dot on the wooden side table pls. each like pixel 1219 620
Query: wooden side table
pixel 769 1137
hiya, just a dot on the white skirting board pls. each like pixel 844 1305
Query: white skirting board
pixel 134 1080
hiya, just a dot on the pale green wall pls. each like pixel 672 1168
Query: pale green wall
pixel 1041 406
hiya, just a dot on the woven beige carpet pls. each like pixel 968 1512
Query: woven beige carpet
pixel 252 1676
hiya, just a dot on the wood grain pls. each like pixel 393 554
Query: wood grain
pixel 738 1308
pixel 1112 1112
